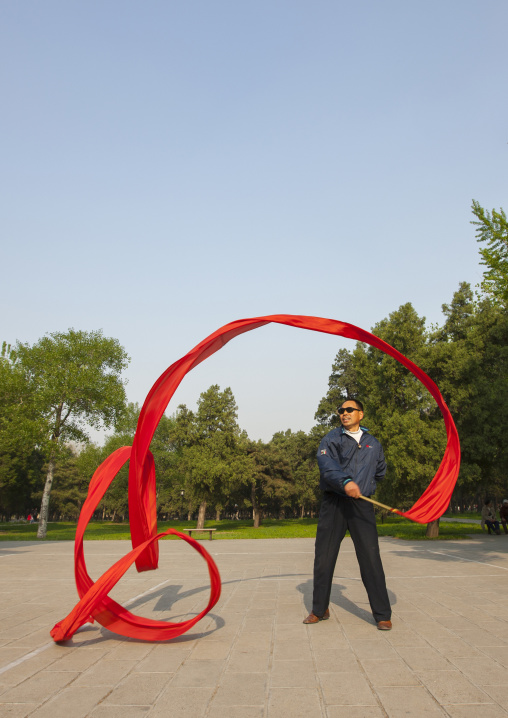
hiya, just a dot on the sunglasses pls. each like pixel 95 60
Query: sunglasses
pixel 349 409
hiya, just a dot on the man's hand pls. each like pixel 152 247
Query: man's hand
pixel 352 490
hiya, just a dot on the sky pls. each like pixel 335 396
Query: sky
pixel 169 167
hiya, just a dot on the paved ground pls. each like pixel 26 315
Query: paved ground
pixel 447 654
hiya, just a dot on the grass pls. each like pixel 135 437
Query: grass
pixel 271 528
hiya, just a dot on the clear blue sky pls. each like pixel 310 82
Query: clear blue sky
pixel 168 167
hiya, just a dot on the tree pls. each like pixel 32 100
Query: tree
pixel 163 448
pixel 213 461
pixel 73 382
pixel 492 228
pixel 270 480
pixel 342 385
pixel 21 460
pixel 468 358
pixel 299 449
pixel 399 411
pixel 70 485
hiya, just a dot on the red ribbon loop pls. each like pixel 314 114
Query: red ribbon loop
pixel 95 602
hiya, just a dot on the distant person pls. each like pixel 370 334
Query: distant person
pixel 30 519
pixel 489 518
pixel 351 461
pixel 503 513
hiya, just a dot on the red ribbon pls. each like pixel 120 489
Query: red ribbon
pixel 95 603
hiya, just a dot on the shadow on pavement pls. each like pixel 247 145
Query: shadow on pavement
pixel 483 549
pixel 338 598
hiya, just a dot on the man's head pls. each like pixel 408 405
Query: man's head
pixel 351 414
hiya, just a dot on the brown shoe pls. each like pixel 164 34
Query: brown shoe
pixel 384 625
pixel 312 618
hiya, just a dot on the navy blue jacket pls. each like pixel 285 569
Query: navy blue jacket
pixel 341 460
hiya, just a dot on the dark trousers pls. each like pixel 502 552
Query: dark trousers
pixel 338 514
pixel 493 525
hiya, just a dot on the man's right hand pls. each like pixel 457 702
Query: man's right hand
pixel 352 490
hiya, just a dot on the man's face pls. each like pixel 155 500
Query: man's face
pixel 351 422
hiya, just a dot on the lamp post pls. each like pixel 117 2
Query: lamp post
pixel 182 494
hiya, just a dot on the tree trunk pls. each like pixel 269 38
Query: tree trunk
pixel 302 512
pixel 189 515
pixel 43 518
pixel 201 515
pixel 256 513
pixel 217 514
pixel 432 529
pixel 461 502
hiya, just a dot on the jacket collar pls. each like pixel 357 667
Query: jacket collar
pixel 363 428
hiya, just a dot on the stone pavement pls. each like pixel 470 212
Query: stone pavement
pixel 447 654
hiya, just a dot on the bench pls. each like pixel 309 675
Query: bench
pixel 210 531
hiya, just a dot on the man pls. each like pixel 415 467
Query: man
pixel 489 518
pixel 503 512
pixel 351 462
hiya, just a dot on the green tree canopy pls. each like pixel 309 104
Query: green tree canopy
pixel 399 411
pixel 21 458
pixel 71 381
pixel 468 359
pixel 492 229
pixel 212 457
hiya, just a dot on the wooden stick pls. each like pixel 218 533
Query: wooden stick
pixel 384 506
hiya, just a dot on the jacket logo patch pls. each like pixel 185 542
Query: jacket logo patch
pixel 323 451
